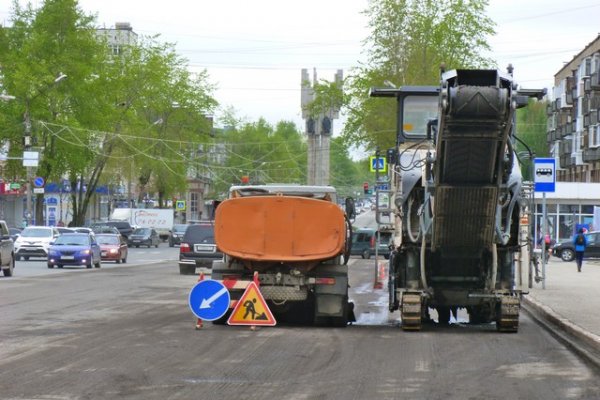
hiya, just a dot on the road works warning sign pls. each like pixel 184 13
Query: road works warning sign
pixel 251 309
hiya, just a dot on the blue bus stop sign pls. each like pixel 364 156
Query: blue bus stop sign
pixel 545 174
pixel 209 300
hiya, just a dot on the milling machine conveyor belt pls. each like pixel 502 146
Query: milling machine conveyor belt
pixel 470 151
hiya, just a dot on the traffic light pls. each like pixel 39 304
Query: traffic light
pixel 366 187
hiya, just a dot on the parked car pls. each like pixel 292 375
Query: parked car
pixel 14 233
pixel 113 247
pixel 7 250
pixel 144 237
pixel 198 249
pixel 565 250
pixel 34 241
pixel 364 240
pixel 176 234
pixel 74 249
pixel 124 227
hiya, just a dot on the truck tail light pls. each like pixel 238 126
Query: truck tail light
pixel 184 248
pixel 325 281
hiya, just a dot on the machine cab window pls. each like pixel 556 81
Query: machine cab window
pixel 417 110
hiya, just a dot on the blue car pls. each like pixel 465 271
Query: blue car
pixel 74 249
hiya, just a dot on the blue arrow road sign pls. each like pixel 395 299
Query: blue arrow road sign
pixel 209 300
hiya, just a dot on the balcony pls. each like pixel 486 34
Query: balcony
pixel 595 81
pixel 568 128
pixel 569 98
pixel 587 84
pixel 586 120
pixel 585 104
pixel 565 147
pixel 590 155
pixel 565 161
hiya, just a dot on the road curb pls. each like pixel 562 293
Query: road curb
pixel 581 341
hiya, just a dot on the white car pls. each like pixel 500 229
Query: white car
pixel 34 241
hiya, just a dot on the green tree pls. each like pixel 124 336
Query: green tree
pixel 261 153
pixel 345 175
pixel 104 115
pixel 409 41
pixel 56 40
pixel 531 131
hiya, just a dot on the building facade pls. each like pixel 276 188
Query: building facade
pixel 573 123
pixel 574 140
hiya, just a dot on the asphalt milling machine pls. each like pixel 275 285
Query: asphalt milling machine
pixel 458 206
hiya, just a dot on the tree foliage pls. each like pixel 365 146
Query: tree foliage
pixel 258 153
pixel 409 41
pixel 531 130
pixel 104 116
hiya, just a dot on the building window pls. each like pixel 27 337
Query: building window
pixel 566 226
pixel 587 209
pixel 194 204
pixel 568 208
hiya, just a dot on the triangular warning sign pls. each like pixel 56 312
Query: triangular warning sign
pixel 251 309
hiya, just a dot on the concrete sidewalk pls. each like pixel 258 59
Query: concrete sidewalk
pixel 571 299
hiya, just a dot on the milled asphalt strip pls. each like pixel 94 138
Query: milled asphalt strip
pixel 583 343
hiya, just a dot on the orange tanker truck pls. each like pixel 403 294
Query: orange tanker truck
pixel 297 239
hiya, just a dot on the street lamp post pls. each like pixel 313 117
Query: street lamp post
pixel 27 147
pixel 27 144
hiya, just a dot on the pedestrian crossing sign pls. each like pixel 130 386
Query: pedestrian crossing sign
pixel 180 205
pixel 378 163
pixel 251 309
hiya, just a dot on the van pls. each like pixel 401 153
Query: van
pixel 364 240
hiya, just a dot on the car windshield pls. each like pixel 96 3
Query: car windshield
pixel 179 228
pixel 107 239
pixel 142 231
pixel 36 232
pixel 385 237
pixel 73 240
pixel 118 224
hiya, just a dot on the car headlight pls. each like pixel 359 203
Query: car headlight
pixel 86 251
pixel 113 251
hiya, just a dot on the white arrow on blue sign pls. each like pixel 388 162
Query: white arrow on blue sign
pixel 209 300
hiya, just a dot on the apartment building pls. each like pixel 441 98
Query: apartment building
pixel 573 123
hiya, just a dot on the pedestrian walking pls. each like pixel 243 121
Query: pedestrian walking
pixel 580 242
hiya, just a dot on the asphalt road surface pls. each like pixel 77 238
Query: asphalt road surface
pixel 126 332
